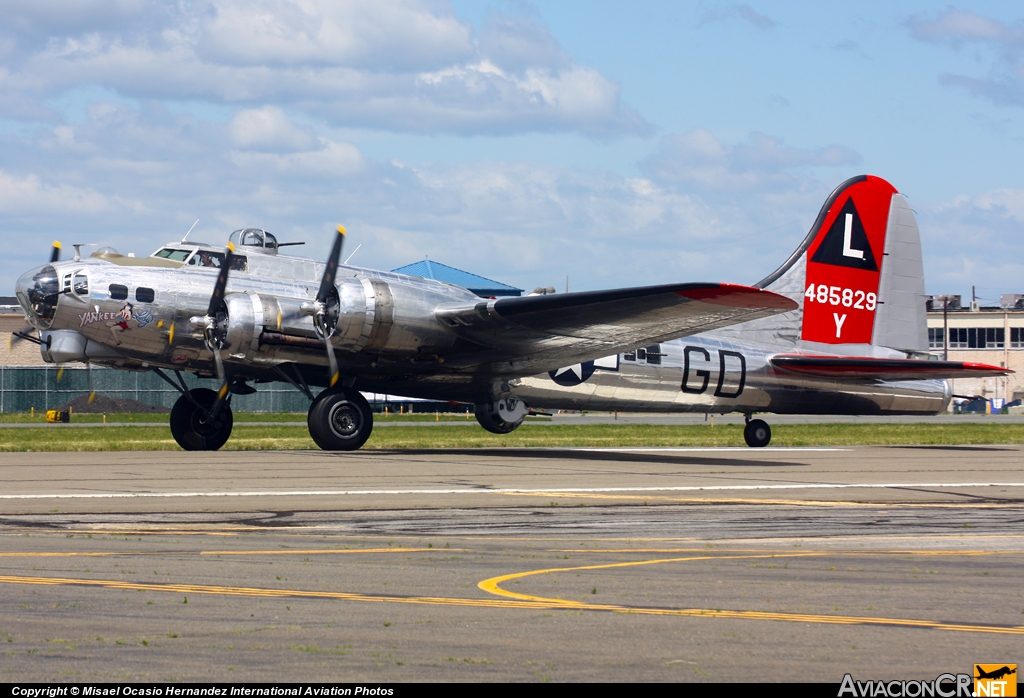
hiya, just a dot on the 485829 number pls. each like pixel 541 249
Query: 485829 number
pixel 836 295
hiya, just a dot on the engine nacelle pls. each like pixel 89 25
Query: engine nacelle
pixel 241 338
pixel 374 317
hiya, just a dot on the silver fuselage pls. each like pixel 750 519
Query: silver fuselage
pixel 390 340
pixel 706 374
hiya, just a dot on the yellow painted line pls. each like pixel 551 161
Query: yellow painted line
pixel 531 603
pixel 782 553
pixel 491 586
pixel 175 553
pixel 268 593
pixel 776 502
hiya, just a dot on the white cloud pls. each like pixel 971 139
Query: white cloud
pixel 401 65
pixel 27 195
pixel 267 128
pixel 955 28
pixel 763 162
pixel 521 223
pixel 331 159
pixel 974 241
pixel 743 12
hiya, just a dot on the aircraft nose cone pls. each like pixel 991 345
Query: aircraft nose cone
pixel 38 292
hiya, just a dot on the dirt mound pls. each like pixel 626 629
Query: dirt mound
pixel 111 405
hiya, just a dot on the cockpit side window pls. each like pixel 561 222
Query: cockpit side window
pixel 239 262
pixel 173 254
pixel 205 258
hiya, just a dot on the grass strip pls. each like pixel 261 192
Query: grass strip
pixel 239 417
pixel 245 438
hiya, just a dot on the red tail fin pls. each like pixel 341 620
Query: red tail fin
pixel 844 263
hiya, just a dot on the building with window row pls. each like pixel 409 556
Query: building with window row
pixel 983 334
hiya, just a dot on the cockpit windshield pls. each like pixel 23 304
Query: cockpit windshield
pixel 254 237
pixel 173 254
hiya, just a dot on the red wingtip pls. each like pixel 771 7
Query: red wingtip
pixel 737 296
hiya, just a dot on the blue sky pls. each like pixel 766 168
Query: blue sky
pixel 616 144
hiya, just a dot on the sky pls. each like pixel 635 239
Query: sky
pixel 597 144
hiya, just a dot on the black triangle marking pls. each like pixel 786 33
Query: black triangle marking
pixel 834 249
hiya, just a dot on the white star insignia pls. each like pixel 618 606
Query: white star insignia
pixel 575 368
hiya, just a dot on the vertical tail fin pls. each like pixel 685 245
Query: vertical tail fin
pixel 858 274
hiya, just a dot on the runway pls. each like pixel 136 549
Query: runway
pixel 512 564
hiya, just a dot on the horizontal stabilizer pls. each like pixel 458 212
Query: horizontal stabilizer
pixel 883 369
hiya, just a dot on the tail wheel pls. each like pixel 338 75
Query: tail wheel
pixel 757 433
pixel 340 420
pixel 193 427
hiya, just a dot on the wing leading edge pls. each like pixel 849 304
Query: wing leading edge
pixel 854 367
pixel 577 326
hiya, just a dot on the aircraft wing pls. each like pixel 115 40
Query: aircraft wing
pixel 863 367
pixel 565 328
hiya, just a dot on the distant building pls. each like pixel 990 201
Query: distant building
pixel 982 333
pixel 482 287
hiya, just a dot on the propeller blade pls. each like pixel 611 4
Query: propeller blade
pixel 331 270
pixel 55 255
pixel 60 374
pixel 88 377
pixel 19 336
pixel 222 283
pixel 332 360
pixel 223 392
pixel 170 334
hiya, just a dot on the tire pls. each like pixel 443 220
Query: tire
pixel 340 420
pixel 191 426
pixel 489 415
pixel 757 433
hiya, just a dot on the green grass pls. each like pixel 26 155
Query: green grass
pixel 565 436
pixel 240 417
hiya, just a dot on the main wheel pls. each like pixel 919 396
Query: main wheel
pixel 340 420
pixel 191 425
pixel 501 416
pixel 757 433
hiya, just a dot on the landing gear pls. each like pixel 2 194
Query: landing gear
pixel 192 425
pixel 501 416
pixel 340 420
pixel 757 433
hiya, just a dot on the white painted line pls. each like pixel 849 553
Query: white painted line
pixel 548 490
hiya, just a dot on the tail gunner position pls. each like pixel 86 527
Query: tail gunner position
pixel 838 329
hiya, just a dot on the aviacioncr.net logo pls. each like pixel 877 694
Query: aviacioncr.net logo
pixel 943 686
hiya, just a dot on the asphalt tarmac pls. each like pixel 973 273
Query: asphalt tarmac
pixel 686 564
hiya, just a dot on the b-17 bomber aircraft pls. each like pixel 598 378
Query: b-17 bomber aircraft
pixel 838 329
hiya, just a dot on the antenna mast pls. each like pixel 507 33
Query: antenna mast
pixel 190 230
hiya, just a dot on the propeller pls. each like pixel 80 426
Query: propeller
pixel 88 378
pixel 26 331
pixel 326 308
pixel 214 327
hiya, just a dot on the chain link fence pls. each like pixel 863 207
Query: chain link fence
pixel 24 388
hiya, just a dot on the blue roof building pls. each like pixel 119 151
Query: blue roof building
pixel 442 272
